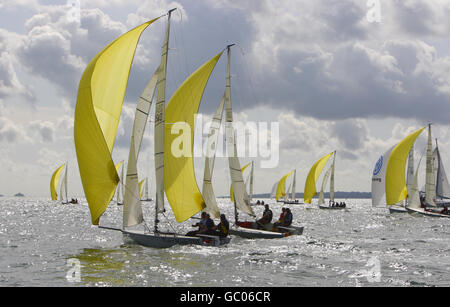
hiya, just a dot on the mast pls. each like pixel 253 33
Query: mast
pixel 159 125
pixel 332 178
pixel 250 195
pixel 65 180
pixel 430 180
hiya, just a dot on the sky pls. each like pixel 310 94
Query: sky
pixel 351 76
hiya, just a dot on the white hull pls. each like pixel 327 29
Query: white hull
pixel 418 212
pixel 397 209
pixel 250 233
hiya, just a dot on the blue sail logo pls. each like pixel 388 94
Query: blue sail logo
pixel 378 166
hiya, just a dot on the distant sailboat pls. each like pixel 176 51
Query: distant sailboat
pixel 240 197
pixel 442 183
pixel 281 193
pixel 54 182
pixel 95 133
pixel 431 177
pixel 388 181
pixel 292 200
pixel 314 173
pixel 329 174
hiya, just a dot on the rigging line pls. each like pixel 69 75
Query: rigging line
pixel 247 71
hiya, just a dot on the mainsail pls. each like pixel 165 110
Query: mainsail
pixel 388 180
pixel 240 194
pixel 313 175
pixel 442 184
pixel 293 185
pixel 54 182
pixel 180 184
pixel 231 186
pixel 97 113
pixel 324 182
pixel 119 188
pixel 207 191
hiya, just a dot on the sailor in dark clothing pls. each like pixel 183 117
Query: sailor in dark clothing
pixel 222 229
pixel 288 217
pixel 266 218
pixel 201 226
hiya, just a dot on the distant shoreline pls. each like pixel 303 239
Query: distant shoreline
pixel 326 195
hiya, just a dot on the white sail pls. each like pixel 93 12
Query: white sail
pixel 379 180
pixel 63 188
pixel 324 183
pixel 413 191
pixel 332 178
pixel 430 179
pixel 442 184
pixel 207 191
pixel 289 190
pixel 160 107
pixel 250 190
pixel 240 194
pixel 132 208
pixel 410 169
pixel 274 190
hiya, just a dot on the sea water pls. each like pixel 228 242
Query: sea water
pixel 45 243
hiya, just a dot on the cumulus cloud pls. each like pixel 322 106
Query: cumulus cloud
pixel 43 130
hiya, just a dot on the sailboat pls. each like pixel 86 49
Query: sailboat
pixel 416 207
pixel 95 132
pixel 54 181
pixel 314 173
pixel 329 174
pixel 388 180
pixel 292 200
pixel 442 183
pixel 240 197
pixel 280 192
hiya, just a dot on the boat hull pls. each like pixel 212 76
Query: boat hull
pixel 253 233
pixel 293 203
pixel 397 209
pixel 168 240
pixel 331 208
pixel 419 212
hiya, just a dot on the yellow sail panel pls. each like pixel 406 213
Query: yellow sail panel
pixel 231 186
pixel 281 186
pixel 180 184
pixel 54 182
pixel 118 166
pixel 313 175
pixel 140 187
pixel 97 113
pixel 396 190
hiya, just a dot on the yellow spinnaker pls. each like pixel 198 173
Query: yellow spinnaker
pixel 54 182
pixel 180 184
pixel 97 113
pixel 396 190
pixel 313 175
pixel 231 187
pixel 281 186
